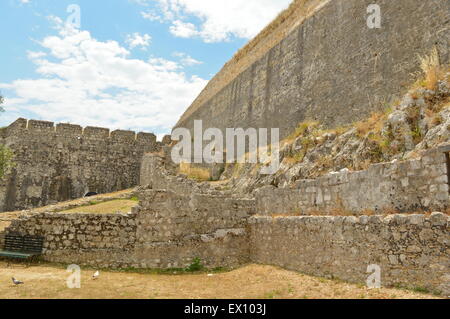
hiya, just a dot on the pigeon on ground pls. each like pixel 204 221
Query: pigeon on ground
pixel 17 282
pixel 96 275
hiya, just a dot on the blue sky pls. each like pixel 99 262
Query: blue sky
pixel 128 64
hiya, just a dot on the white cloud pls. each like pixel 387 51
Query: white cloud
pixel 220 20
pixel 90 82
pixel 56 21
pixel 186 59
pixel 162 64
pixel 35 55
pixel 137 40
pixel 152 16
pixel 183 29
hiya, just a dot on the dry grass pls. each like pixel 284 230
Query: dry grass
pixel 255 49
pixel 374 124
pixel 77 204
pixel 431 68
pixel 302 129
pixel 93 207
pixel 114 206
pixel 379 143
pixel 261 282
pixel 63 206
pixel 193 172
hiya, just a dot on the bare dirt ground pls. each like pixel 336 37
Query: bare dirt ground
pixel 253 281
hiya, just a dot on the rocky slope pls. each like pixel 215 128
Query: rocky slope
pixel 419 121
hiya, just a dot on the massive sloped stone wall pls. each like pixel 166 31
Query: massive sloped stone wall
pixel 332 68
pixel 62 162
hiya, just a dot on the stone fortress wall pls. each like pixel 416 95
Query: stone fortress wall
pixel 411 250
pixel 62 162
pixel 332 68
pixel 420 184
pixel 169 229
pixel 94 239
pixel 166 230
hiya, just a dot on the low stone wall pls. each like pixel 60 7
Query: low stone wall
pixel 159 172
pixel 167 230
pixel 155 172
pixel 420 184
pixel 412 251
pixel 104 240
pixel 174 229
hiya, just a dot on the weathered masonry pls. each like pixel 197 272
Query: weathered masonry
pixel 404 186
pixel 332 68
pixel 166 230
pixel 176 222
pixel 411 250
pixel 62 162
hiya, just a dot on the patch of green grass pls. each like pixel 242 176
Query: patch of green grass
pixel 135 199
pixel 302 128
pixel 417 134
pixel 195 266
pixel 6 160
pixel 290 289
pixel 272 294
pixel 418 289
pixel 421 290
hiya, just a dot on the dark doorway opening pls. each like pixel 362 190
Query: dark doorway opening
pixel 90 194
